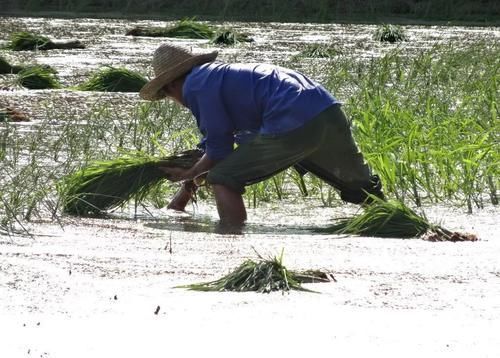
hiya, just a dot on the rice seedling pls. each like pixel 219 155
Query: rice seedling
pixel 265 275
pixel 107 185
pixel 26 41
pixel 390 33
pixel 319 51
pixel 38 77
pixel 392 219
pixel 229 38
pixel 112 79
pixel 185 28
pixel 6 68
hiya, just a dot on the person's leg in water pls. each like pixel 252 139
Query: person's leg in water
pixel 231 209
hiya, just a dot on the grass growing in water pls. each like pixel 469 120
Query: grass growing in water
pixel 393 219
pixel 106 185
pixel 38 77
pixel 111 79
pixel 264 275
pixel 26 41
pixel 390 33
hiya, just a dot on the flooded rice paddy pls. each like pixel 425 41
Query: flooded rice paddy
pixel 91 287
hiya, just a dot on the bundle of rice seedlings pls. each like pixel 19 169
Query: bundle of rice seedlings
pixel 9 114
pixel 26 41
pixel 390 33
pixel 186 28
pixel 393 219
pixel 107 185
pixel 319 51
pixel 229 38
pixel 265 275
pixel 38 77
pixel 6 68
pixel 113 79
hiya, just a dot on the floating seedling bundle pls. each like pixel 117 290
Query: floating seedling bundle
pixel 26 41
pixel 186 28
pixel 113 79
pixel 319 51
pixel 264 275
pixel 38 77
pixel 229 38
pixel 390 33
pixel 393 219
pixel 106 185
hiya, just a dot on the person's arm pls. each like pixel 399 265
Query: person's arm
pixel 177 174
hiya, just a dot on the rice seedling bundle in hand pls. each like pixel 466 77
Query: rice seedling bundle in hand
pixel 6 68
pixel 38 77
pixel 393 219
pixel 106 185
pixel 26 41
pixel 265 275
pixel 390 33
pixel 112 79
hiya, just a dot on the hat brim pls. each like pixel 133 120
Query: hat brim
pixel 152 90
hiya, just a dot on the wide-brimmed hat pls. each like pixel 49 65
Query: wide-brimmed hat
pixel 169 63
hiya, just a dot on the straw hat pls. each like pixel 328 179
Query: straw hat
pixel 169 63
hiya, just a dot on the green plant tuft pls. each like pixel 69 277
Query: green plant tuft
pixel 393 219
pixel 26 41
pixel 229 38
pixel 186 28
pixel 265 275
pixel 390 33
pixel 38 77
pixel 319 51
pixel 111 79
pixel 107 185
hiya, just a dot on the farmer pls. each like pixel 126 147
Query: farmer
pixel 277 117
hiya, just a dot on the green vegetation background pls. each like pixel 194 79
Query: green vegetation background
pixel 478 11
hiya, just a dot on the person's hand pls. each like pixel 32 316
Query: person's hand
pixel 174 174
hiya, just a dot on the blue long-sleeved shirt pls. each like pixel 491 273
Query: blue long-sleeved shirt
pixel 232 100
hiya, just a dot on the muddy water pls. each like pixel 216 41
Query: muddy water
pixel 81 286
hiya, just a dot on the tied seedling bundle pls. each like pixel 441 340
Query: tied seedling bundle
pixel 26 41
pixel 186 28
pixel 107 185
pixel 38 77
pixel 264 275
pixel 393 219
pixel 229 37
pixel 112 79
pixel 390 33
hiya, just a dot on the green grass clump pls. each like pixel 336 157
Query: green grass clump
pixel 265 275
pixel 390 33
pixel 38 77
pixel 26 41
pixel 6 68
pixel 111 79
pixel 186 28
pixel 106 185
pixel 319 51
pixel 229 38
pixel 393 219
